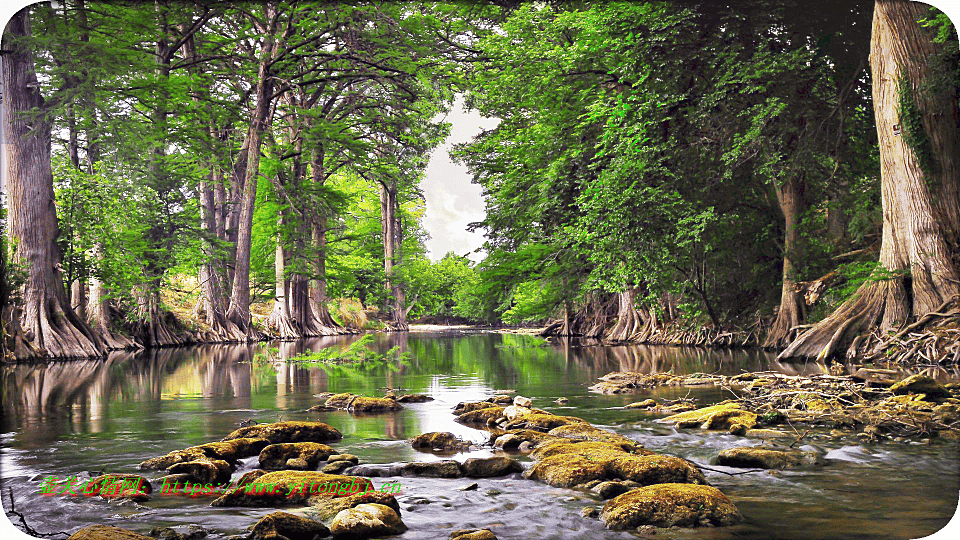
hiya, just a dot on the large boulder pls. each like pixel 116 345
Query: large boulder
pixel 284 526
pixel 767 458
pixel 567 470
pixel 106 532
pixel 281 488
pixel 670 505
pixel 340 401
pixel 300 455
pixel 578 462
pixel 288 432
pixel 589 432
pixel 490 467
pixel 720 416
pixel 204 471
pixel 473 534
pixel 414 398
pixel 367 520
pixel 655 469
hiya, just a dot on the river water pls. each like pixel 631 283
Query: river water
pixel 76 419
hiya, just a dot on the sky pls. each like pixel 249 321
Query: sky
pixel 452 201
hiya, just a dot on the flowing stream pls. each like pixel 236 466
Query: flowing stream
pixel 76 419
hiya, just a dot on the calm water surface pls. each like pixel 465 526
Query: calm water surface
pixel 81 418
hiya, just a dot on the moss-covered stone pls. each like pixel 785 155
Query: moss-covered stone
pixel 324 509
pixel 106 532
pixel 439 440
pixel 720 416
pixel 204 471
pixel 490 467
pixel 467 406
pixel 511 440
pixel 767 458
pixel 655 469
pixel 363 404
pixel 588 432
pixel 645 404
pixel 288 432
pixel 414 398
pixel 340 401
pixel 567 470
pixel 336 467
pixel 542 421
pixel 284 526
pixel 367 520
pixel 473 534
pixel 586 448
pixel 300 456
pixel 670 505
pixel 117 485
pixel 481 416
pixel 921 384
pixel 281 488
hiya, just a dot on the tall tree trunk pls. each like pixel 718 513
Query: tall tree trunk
pixel 791 312
pixel 239 311
pixel 918 250
pixel 629 322
pixel 280 319
pixel 391 245
pixel 98 312
pixel 47 320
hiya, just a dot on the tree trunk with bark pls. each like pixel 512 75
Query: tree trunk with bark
pixel 47 320
pixel 792 310
pixel 239 310
pixel 921 194
pixel 629 322
pixel 389 210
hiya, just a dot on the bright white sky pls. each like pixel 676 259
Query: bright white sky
pixel 452 201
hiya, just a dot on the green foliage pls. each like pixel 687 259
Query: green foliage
pixel 914 135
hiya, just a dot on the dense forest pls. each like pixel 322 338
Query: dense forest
pixel 675 172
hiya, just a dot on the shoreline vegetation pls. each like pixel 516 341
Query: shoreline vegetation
pixel 639 185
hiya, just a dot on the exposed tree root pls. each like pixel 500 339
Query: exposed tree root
pixel 154 326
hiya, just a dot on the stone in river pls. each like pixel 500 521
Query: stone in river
pixel 439 440
pixel 106 532
pixel 490 467
pixel 288 432
pixel 447 468
pixel 279 525
pixel 767 458
pixel 473 534
pixel 299 455
pixel 367 520
pixel 670 505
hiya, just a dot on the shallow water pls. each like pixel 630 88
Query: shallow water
pixel 76 419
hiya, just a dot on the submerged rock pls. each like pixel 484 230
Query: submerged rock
pixel 439 440
pixel 367 520
pixel 281 525
pixel 288 432
pixel 720 416
pixel 490 467
pixel 300 455
pixel 473 534
pixel 767 458
pixel 106 532
pixel 670 505
pixel 447 468
pixel 645 404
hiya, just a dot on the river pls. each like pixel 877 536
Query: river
pixel 78 418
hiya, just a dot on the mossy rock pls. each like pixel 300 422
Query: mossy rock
pixel 204 471
pixel 670 505
pixel 767 458
pixel 511 440
pixel 921 384
pixel 586 448
pixel 490 467
pixel 439 440
pixel 363 404
pixel 324 509
pixel 340 401
pixel 336 467
pixel 543 421
pixel 118 485
pixel 414 398
pixel 481 416
pixel 588 432
pixel 367 520
pixel 655 469
pixel 473 534
pixel 281 488
pixel 288 432
pixel 645 404
pixel 279 525
pixel 234 449
pixel 720 416
pixel 300 455
pixel 106 532
pixel 567 470
pixel 468 406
